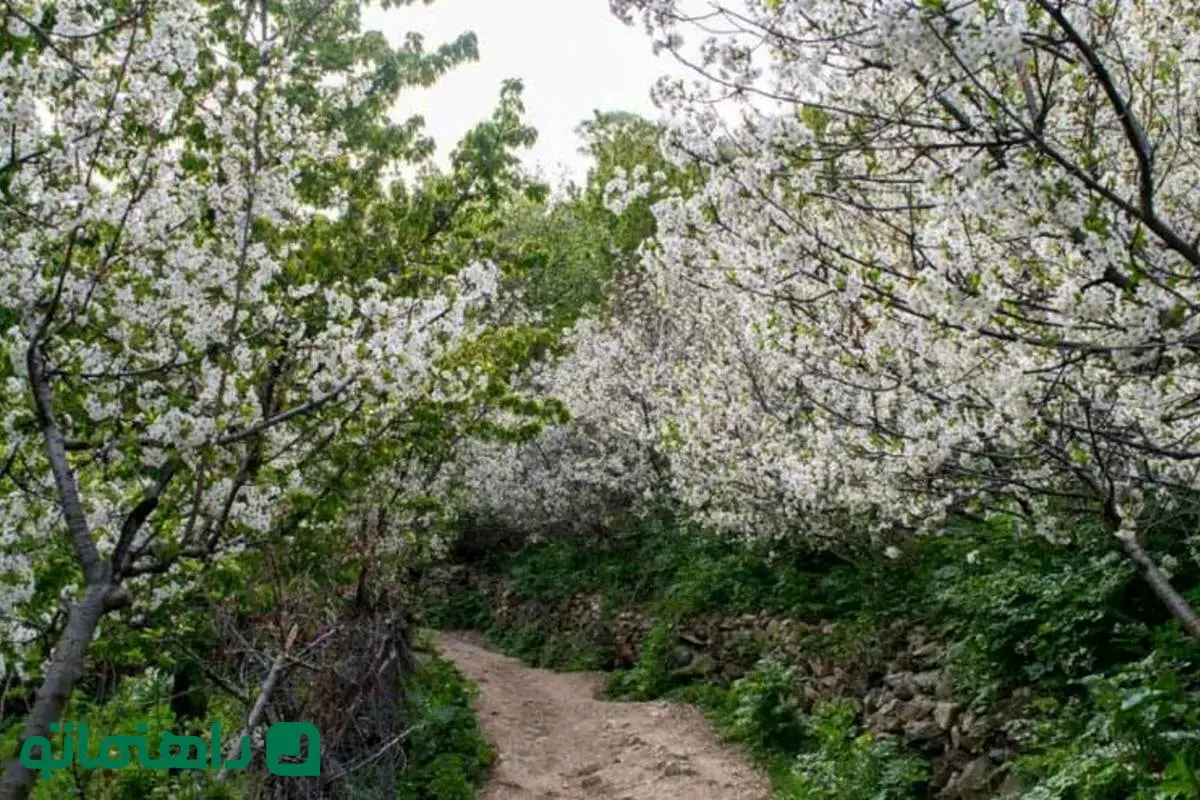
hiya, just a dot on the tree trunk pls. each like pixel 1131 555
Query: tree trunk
pixel 66 668
pixel 1161 585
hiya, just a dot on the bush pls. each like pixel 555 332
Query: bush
pixel 446 752
pixel 1037 615
pixel 847 765
pixel 568 651
pixel 463 608
pixel 139 699
pixel 1135 736
pixel 651 676
pixel 766 709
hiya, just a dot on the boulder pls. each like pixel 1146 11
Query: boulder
pixel 974 780
pixel 944 714
pixel 922 732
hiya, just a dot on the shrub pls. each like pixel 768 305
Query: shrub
pixel 446 752
pixel 139 699
pixel 462 608
pixel 846 765
pixel 1037 616
pixel 651 676
pixel 1135 735
pixel 766 709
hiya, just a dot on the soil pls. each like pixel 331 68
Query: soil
pixel 557 739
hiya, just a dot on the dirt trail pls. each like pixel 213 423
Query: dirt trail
pixel 556 740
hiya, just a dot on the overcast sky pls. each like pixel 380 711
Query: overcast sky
pixel 573 55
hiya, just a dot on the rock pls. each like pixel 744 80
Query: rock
pixel 1011 785
pixel 923 731
pixel 974 779
pixel 927 681
pixel 682 657
pixel 902 684
pixel 944 714
pixel 915 709
pixel 981 727
pixel 930 651
pixel 675 768
pixel 701 666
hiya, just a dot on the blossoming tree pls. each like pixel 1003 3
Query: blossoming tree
pixel 192 320
pixel 944 263
pixel 964 236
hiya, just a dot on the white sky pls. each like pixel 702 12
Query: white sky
pixel 574 56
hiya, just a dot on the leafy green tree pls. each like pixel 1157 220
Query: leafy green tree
pixel 228 329
pixel 566 254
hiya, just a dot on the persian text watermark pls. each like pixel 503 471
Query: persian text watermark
pixel 284 744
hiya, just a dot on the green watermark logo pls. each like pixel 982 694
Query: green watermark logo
pixel 284 744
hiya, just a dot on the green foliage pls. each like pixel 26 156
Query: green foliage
pixel 684 571
pixel 560 257
pixel 465 608
pixel 142 699
pixel 446 752
pixel 568 651
pixel 765 709
pixel 651 677
pixel 1135 734
pixel 1113 686
pixel 848 765
pixel 564 257
pixel 1033 614
pixel 635 567
pixel 764 712
pixel 526 642
pixel 619 141
pixel 711 575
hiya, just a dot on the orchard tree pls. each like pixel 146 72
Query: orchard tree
pixel 942 265
pixel 967 232
pixel 195 318
pixel 563 252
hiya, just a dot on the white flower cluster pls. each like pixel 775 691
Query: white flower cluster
pixel 148 219
pixel 953 266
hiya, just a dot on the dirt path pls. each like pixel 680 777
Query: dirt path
pixel 556 740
